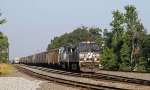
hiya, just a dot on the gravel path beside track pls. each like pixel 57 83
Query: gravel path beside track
pixel 87 80
pixel 145 76
pixel 55 86
pixel 20 81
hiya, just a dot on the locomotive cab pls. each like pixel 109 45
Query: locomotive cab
pixel 88 56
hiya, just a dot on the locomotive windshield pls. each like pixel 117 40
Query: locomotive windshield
pixel 85 47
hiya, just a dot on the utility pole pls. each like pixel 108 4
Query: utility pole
pixel 8 53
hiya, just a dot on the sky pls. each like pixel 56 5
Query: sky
pixel 31 24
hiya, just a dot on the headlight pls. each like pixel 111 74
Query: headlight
pixel 84 59
pixel 95 59
pixel 81 55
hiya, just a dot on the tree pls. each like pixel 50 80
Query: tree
pixel 143 59
pixel 78 35
pixel 126 40
pixel 117 32
pixel 108 59
pixel 2 21
pixel 95 35
pixel 3 44
pixel 135 31
pixel 114 41
pixel 125 57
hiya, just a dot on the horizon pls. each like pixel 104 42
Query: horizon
pixel 32 24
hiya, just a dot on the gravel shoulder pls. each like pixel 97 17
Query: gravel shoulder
pixel 19 81
pixel 145 76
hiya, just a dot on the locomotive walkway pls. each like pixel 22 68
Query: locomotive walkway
pixel 90 81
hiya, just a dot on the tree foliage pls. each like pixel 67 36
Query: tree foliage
pixel 125 57
pixel 128 41
pixel 108 59
pixel 3 44
pixel 80 34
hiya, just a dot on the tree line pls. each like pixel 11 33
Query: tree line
pixel 80 34
pixel 3 44
pixel 125 47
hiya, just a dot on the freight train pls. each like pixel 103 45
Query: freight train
pixel 83 56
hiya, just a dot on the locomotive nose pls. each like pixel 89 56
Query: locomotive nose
pixel 90 55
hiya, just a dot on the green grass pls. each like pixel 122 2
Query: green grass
pixel 5 69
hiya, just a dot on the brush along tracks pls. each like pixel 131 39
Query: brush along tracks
pixel 65 81
pixel 96 76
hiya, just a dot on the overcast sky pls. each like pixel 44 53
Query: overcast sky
pixel 31 24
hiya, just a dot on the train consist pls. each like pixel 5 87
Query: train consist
pixel 84 57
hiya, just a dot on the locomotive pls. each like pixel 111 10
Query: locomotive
pixel 83 56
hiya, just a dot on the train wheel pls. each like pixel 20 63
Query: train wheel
pixel 63 65
pixel 74 67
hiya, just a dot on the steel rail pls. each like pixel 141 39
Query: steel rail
pixel 126 71
pixel 67 82
pixel 97 76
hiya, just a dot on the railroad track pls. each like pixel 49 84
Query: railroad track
pixel 125 71
pixel 121 79
pixel 64 81
pixel 97 76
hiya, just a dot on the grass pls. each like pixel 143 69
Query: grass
pixel 5 69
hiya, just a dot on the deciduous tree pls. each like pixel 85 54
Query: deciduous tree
pixel 3 44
